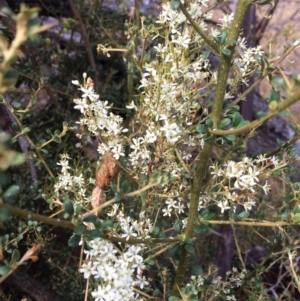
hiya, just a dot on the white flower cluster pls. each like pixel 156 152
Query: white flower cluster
pixel 99 121
pixel 172 205
pixel 131 228
pixel 247 57
pixel 116 274
pixel 238 183
pixel 68 182
pixel 218 288
pixel 170 82
pixel 140 154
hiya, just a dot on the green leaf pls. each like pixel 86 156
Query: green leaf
pixel 205 54
pixel 285 216
pixel 264 2
pixel 4 178
pixel 26 130
pixel 220 39
pixel 11 194
pixel 78 230
pixel 155 231
pixel 5 214
pixel 45 151
pixel 296 209
pixel 150 262
pixel 10 78
pixel 188 240
pixel 208 138
pixel 273 105
pixel 274 95
pixel 57 139
pixel 78 209
pixel 68 206
pixel 118 197
pixel 155 175
pixel 200 229
pixel 174 4
pixel 95 233
pixel 260 114
pixel 74 240
pixel 296 218
pixel 177 226
pixel 226 51
pixel 230 138
pixel 278 81
pixel 231 42
pixel 202 129
pixel 15 256
pixel 107 223
pixel 205 214
pixel 224 122
pixel 197 269
pixel 4 270
pixel 174 298
pixel 236 119
pixel 243 123
pixel 91 219
pixel 189 248
pixel 244 214
pixel 209 123
pixel 125 186
pixel 15 127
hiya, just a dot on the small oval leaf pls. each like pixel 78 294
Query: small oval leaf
pixel 68 206
pixel 4 270
pixel 74 240
pixel 224 122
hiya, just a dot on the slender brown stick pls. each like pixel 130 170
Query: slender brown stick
pixel 86 41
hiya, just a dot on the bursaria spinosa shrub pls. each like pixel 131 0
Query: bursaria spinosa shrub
pixel 178 167
pixel 169 182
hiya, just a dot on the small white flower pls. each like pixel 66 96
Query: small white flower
pixel 226 20
pixel 141 281
pixel 223 205
pixel 172 132
pixel 86 269
pixel 75 82
pixel 90 93
pixel 167 211
pixel 132 106
pixel 118 151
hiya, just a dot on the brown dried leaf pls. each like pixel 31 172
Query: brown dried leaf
pixel 34 258
pixel 107 170
pixel 110 161
pixel 102 176
pixel 97 197
pixel 30 253
pixel 89 82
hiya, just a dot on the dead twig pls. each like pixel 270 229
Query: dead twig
pixel 86 40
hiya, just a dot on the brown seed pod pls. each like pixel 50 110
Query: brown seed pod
pixel 97 197
pixel 107 170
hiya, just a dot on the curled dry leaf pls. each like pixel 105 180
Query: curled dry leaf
pixel 89 82
pixel 97 197
pixel 30 254
pixel 107 170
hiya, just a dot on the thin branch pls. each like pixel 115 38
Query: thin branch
pixel 205 37
pixel 86 41
pixel 257 123
pixel 201 168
